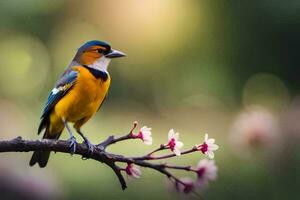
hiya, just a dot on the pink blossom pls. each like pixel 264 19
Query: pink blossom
pixel 133 170
pixel 254 128
pixel 174 144
pixel 208 147
pixel 206 171
pixel 145 135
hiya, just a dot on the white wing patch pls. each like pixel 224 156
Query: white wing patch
pixel 55 90
pixel 60 88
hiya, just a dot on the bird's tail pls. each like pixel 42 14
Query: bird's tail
pixel 42 157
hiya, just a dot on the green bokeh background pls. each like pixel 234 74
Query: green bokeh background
pixel 191 65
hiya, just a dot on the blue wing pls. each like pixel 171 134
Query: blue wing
pixel 61 88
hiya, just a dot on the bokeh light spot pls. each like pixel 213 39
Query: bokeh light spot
pixel 266 90
pixel 24 64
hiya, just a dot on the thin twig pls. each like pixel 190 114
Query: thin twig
pixel 162 147
pixel 112 140
pixel 186 168
pixel 147 157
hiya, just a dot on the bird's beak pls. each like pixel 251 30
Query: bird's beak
pixel 115 54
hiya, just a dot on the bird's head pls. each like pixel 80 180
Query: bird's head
pixel 96 54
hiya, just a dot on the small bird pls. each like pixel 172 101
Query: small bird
pixel 77 96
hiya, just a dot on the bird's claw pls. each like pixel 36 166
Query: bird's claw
pixel 72 144
pixel 90 146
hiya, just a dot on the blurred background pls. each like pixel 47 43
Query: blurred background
pixel 228 68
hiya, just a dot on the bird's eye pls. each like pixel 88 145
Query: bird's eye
pixel 100 50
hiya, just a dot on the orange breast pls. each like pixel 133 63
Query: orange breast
pixel 84 99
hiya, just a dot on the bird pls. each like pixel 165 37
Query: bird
pixel 77 95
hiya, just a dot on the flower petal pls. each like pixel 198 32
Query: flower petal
pixel 210 154
pixel 136 172
pixel 210 141
pixel 145 129
pixel 213 147
pixel 177 151
pixel 171 134
pixel 206 137
pixel 207 171
pixel 176 136
pixel 179 144
pixel 148 141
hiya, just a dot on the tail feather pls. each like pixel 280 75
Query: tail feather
pixel 42 157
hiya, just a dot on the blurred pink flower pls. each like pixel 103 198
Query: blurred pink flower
pixel 206 171
pixel 145 135
pixel 186 186
pixel 208 147
pixel 133 170
pixel 174 144
pixel 255 127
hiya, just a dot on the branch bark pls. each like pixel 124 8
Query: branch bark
pixel 20 145
pixel 99 154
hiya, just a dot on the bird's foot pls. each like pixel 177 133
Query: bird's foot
pixel 90 146
pixel 72 144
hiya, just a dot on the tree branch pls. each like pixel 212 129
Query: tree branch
pixel 99 154
pixel 20 145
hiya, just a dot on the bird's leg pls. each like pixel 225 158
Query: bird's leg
pixel 89 145
pixel 72 139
